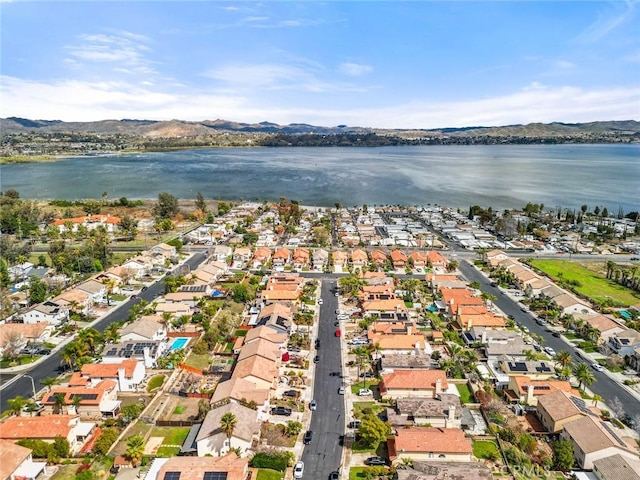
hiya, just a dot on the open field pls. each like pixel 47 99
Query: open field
pixel 591 284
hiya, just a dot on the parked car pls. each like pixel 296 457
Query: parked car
pixel 313 406
pixel 320 302
pixel 308 436
pixel 281 411
pixel 629 421
pixel 298 470
pixel 354 424
pixel 375 461
pixel 291 393
pixel 316 359
pixel 364 392
pixel 367 375
pixel 597 367
pixel 334 475
pixel 550 351
pixel 556 334
pixel 341 390
pixel 317 343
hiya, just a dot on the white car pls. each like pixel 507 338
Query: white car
pixel 298 470
pixel 341 391
pixel 364 392
pixel 320 302
pixel 550 351
pixel 597 367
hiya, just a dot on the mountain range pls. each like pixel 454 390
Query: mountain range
pixel 180 128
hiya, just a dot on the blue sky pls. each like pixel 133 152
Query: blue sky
pixel 373 64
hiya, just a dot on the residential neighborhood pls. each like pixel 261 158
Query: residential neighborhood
pixel 424 334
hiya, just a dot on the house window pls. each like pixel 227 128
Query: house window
pixel 442 455
pixel 430 454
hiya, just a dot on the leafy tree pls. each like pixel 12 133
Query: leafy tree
pixel 563 358
pixel 16 404
pixel 373 430
pixel 201 204
pixel 61 447
pixel 135 448
pixel 37 290
pixel 132 411
pixel 105 440
pixel 563 454
pixel 166 207
pixel 228 424
pixel 292 428
pixel 203 408
pixel 128 225
pixel 240 293
pixel 59 402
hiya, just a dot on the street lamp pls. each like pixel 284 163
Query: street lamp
pixel 33 385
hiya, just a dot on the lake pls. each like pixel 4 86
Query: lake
pixel 504 176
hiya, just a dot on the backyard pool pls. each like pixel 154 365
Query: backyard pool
pixel 179 343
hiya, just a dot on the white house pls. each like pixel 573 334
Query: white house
pixel 146 329
pixel 16 462
pixel 211 440
pixel 47 312
pixel 128 374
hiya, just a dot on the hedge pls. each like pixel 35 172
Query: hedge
pixel 274 461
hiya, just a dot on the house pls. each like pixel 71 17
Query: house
pixel 320 259
pixel 229 467
pixel 175 309
pixel 75 300
pixel 167 252
pixel 413 383
pixel 91 222
pixel 623 343
pixel 429 444
pixel 440 280
pixel 399 259
pixel 281 257
pixel 47 312
pixel 445 470
pixel 127 375
pixel 16 336
pixel 339 259
pixel 401 361
pixel 97 401
pixel 47 428
pixel 137 267
pixel 418 259
pixel 391 306
pixel 96 290
pixel 211 440
pixel 241 257
pixel 593 439
pixel 494 257
pixel 526 391
pixel 559 408
pixel 410 343
pixel 147 328
pixel 16 462
pixel 437 260
pixel 283 287
pixel 147 351
pixel 605 326
pixel 616 467
pixel 240 390
pixel 454 298
pixel 276 316
pixel 221 253
pixel 258 370
pixel 301 258
pixel 379 258
pixel 189 294
pixel 443 411
pixel 532 369
pixel 261 257
pixel 359 259
pixel 264 332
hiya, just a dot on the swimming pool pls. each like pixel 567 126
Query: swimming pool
pixel 179 343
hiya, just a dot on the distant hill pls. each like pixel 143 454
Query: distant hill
pixel 180 128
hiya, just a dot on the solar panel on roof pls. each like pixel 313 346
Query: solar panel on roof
pixel 215 476
pixel 171 475
pixel 518 366
pixel 613 434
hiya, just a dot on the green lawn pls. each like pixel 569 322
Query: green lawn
pixel 465 393
pixel 359 406
pixel 592 285
pixel 167 452
pixel 179 409
pixel 23 360
pixel 358 473
pixel 172 435
pixel 66 472
pixel 485 449
pixel 155 383
pixel 268 474
pixel 198 361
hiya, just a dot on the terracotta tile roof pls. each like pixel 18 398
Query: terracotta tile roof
pixel 261 347
pixel 436 258
pixel 378 256
pixel 194 468
pixel 370 275
pixel 282 253
pixel 455 297
pixel 340 256
pixel 436 440
pixel 109 370
pixel 542 387
pixel 11 456
pixel 398 256
pixel 414 379
pixel 27 331
pixel 398 341
pixel 69 392
pixel 265 333
pixel 77 380
pixel 418 257
pixel 45 426
pixel 484 320
pixel 240 389
pixel 258 367
pixel 359 255
pixel 73 295
pixel 393 304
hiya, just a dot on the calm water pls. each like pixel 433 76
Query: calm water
pixel 506 176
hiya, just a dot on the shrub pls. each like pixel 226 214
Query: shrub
pixel 105 440
pixel 274 460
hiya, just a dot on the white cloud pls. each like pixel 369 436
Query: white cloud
pixel 269 76
pixel 355 69
pixel 608 21
pixel 89 101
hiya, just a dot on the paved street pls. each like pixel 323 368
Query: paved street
pixel 51 366
pixel 605 385
pixel 323 455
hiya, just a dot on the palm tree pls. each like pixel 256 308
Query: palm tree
pixel 166 320
pixel 59 401
pixel 583 374
pixel 563 358
pixel 135 448
pixel 49 382
pixel 530 355
pixel 90 337
pixel 228 424
pixel 76 400
pixel 449 366
pixel 596 398
pixel 112 333
pixel 16 404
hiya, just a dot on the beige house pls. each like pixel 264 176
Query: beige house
pixel 429 444
pixel 257 370
pixel 558 409
pixel 413 383
pixel 211 440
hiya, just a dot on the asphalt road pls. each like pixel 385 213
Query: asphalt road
pixel 604 385
pixel 54 365
pixel 323 454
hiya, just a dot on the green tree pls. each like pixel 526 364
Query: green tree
pixel 91 338
pixel 240 293
pixel 105 440
pixel 563 358
pixel 166 207
pixel 292 428
pixel 37 290
pixel 203 408
pixel 201 204
pixel 16 404
pixel 59 401
pixel 563 454
pixel 583 374
pixel 61 447
pixel 228 424
pixel 373 430
pixel 135 448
